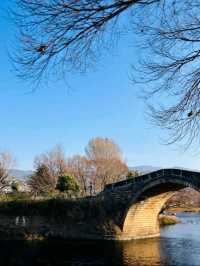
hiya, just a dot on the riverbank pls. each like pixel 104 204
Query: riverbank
pixel 183 209
pixel 93 218
pixel 168 220
pixel 100 217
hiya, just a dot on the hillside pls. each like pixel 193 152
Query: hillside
pixel 20 174
pixel 186 198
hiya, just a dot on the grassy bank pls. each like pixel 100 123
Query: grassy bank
pixel 168 220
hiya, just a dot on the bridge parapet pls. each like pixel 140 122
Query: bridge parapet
pixel 162 173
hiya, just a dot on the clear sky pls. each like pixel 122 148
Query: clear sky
pixel 102 103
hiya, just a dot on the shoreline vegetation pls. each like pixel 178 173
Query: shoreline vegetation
pixel 23 199
pixel 171 219
pixel 29 219
pixel 168 220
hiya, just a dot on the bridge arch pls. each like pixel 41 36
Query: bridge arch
pixel 149 193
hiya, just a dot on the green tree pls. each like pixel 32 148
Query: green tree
pixel 42 181
pixel 132 174
pixel 68 184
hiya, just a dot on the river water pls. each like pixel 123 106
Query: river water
pixel 179 245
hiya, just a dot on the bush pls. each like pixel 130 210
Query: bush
pixel 68 184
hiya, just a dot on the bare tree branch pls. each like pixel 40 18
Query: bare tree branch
pixel 171 69
pixel 60 36
pixel 7 162
pixel 54 160
pixel 106 162
pixel 57 36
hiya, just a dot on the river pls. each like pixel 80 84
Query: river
pixel 179 245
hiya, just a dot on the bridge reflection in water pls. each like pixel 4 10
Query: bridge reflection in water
pixel 141 252
pixel 132 253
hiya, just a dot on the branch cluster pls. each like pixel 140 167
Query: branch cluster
pixel 56 36
pixel 171 68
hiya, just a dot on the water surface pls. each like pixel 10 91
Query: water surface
pixel 179 245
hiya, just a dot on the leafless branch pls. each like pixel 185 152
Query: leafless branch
pixel 58 36
pixel 171 69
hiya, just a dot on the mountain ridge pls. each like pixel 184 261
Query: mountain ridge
pixel 149 168
pixel 20 174
pixel 143 169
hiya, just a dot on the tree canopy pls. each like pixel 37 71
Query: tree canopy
pixel 42 181
pixel 68 184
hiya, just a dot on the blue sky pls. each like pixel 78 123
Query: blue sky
pixel 102 103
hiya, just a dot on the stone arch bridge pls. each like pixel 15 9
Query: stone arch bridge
pixel 123 211
pixel 137 202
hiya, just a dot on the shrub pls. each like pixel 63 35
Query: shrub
pixel 68 184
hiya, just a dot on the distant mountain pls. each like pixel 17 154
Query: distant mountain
pixel 20 174
pixel 149 168
pixel 145 168
pixel 23 174
pixel 188 169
